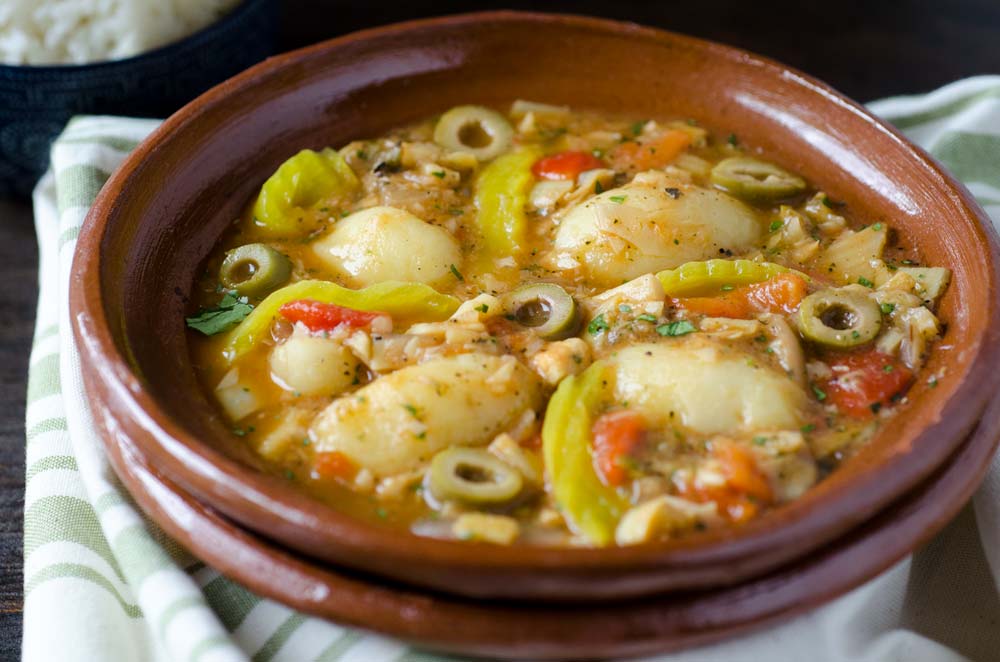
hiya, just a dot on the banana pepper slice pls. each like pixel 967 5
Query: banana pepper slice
pixel 708 277
pixel 404 302
pixel 299 183
pixel 590 507
pixel 501 195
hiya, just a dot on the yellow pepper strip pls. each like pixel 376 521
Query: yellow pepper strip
pixel 501 195
pixel 706 278
pixel 590 507
pixel 404 302
pixel 299 183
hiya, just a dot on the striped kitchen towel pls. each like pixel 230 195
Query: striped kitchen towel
pixel 103 584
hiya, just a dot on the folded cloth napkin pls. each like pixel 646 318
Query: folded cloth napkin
pixel 102 583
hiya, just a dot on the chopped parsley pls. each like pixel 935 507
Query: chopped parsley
pixel 483 308
pixel 818 392
pixel 678 328
pixel 887 308
pixel 809 427
pixel 598 188
pixel 887 368
pixel 597 325
pixel 411 409
pixel 638 127
pixel 624 308
pixel 759 441
pixel 229 312
pixel 877 227
pixel 617 199
pixel 732 140
pixel 864 281
pixel 776 225
pixel 439 174
pixel 646 317
pixel 456 273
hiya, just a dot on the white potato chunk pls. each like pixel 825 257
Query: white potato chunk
pixel 709 388
pixel 236 398
pixel 398 422
pixel 386 243
pixel 640 228
pixel 312 365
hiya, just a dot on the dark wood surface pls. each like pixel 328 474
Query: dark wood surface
pixel 865 49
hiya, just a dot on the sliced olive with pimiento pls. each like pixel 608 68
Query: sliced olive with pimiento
pixel 544 307
pixel 473 476
pixel 483 132
pixel 254 270
pixel 839 318
pixel 755 180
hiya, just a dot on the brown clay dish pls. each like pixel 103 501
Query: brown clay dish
pixel 529 631
pixel 162 212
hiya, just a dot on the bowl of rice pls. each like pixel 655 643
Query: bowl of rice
pixel 141 58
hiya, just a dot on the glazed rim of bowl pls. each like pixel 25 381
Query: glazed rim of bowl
pixel 796 120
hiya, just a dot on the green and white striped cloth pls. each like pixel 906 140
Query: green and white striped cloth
pixel 103 584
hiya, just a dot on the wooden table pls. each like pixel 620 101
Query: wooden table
pixel 867 51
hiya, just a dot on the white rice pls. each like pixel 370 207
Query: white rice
pixel 81 31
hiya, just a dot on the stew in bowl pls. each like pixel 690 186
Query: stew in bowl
pixel 542 325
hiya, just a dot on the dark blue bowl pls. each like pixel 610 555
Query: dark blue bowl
pixel 37 101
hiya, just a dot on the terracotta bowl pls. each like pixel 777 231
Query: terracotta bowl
pixel 544 631
pixel 160 214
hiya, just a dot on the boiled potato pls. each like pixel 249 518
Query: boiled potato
pixel 385 243
pixel 710 388
pixel 398 422
pixel 640 228
pixel 313 366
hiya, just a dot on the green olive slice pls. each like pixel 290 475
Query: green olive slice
pixel 544 307
pixel 484 133
pixel 472 475
pixel 752 179
pixel 254 270
pixel 839 319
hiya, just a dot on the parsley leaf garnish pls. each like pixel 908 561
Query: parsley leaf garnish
pixel 597 325
pixel 229 312
pixel 678 328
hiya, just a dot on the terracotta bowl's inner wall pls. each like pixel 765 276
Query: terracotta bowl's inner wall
pixel 201 176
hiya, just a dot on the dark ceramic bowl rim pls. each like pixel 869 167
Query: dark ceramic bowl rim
pixel 260 500
pixel 202 34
